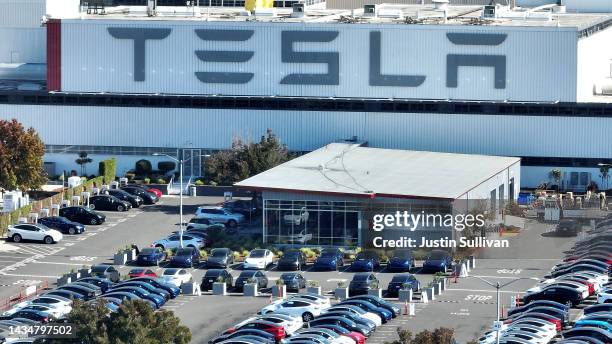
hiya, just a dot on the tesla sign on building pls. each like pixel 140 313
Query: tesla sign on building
pixel 319 60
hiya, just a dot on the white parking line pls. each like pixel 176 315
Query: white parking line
pixel 55 263
pixel 32 276
pixel 487 291
pixel 507 277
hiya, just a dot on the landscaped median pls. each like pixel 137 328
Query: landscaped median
pixel 66 194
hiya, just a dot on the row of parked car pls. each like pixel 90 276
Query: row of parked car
pixel 582 278
pixel 310 318
pixel 72 219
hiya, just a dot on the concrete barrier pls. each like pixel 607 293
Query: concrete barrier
pixel 424 298
pixel 341 293
pixel 405 295
pixel 44 212
pixel 250 289
pixel 219 288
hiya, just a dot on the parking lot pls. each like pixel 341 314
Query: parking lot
pixel 467 305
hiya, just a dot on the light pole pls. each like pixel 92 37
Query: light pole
pixel 498 287
pixel 180 162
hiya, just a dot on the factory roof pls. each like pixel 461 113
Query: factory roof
pixel 351 169
pixel 545 16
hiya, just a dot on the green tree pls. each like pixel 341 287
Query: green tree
pixel 555 174
pixel 21 157
pixel 440 335
pixel 246 159
pixel 133 323
pixel 82 161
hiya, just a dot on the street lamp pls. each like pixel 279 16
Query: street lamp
pixel 498 287
pixel 180 162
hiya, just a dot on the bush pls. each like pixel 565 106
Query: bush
pixel 199 182
pixel 108 169
pixel 146 181
pixel 166 166
pixel 130 176
pixel 160 181
pixel 143 167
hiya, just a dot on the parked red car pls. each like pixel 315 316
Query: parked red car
pixel 140 272
pixel 277 331
pixel 156 192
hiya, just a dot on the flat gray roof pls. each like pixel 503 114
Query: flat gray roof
pixel 409 14
pixel 351 169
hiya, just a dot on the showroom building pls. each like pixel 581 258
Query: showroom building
pixel 333 195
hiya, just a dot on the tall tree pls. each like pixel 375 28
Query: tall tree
pixel 133 323
pixel 83 160
pixel 21 157
pixel 246 159
pixel 605 174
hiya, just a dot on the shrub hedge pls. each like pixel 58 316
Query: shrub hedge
pixel 108 169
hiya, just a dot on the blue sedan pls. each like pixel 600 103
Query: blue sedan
pixel 402 260
pixel 150 256
pixel 437 261
pixel 186 257
pixel 330 259
pixel 384 314
pixel 142 293
pixel 366 261
pixel 62 224
pixel 173 290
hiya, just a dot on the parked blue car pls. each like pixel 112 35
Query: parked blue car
pixel 173 290
pixel 366 261
pixel 148 287
pixel 150 256
pixel 142 293
pixel 402 260
pixel 62 224
pixel 103 283
pixel 330 259
pixel 384 314
pixel 594 323
pixel 186 257
pixel 437 260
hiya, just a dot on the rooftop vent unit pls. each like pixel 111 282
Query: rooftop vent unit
pixel 440 4
pixel 369 11
pixel 392 13
pixel 151 8
pixel 298 10
pixel 264 12
pixel 489 12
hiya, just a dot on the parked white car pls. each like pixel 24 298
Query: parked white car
pixel 176 277
pixel 33 231
pixel 604 296
pixel 219 215
pixel 318 299
pixel 358 311
pixel 259 259
pixel 173 241
pixel 541 333
pixel 305 309
pixel 289 323
pixel 49 304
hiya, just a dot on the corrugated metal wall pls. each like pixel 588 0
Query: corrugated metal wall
pixel 21 13
pixel 305 131
pixel 541 62
pixel 21 36
pixel 594 63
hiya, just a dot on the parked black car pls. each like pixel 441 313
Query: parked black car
pixel 294 281
pixel 106 271
pixel 108 202
pixel 82 215
pixel 556 293
pixel 258 276
pixel 62 224
pixel 213 275
pixel 135 201
pixel 362 283
pixel 244 207
pixel 291 260
pixel 399 281
pixel 220 258
pixel 147 197
pixel 567 228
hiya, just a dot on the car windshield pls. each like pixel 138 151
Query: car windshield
pixel 219 253
pixel 43 227
pixel 147 251
pixel 183 252
pixel 328 254
pixel 292 254
pixel 247 274
pixel 136 271
pixel 367 255
pixel 437 255
pixel 170 272
pixel 360 278
pixel 288 276
pixel 99 269
pixel 257 254
pixel 400 278
pixel 402 254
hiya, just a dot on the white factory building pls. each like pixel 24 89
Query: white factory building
pixel 526 82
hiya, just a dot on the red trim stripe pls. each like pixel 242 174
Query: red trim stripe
pixel 54 55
